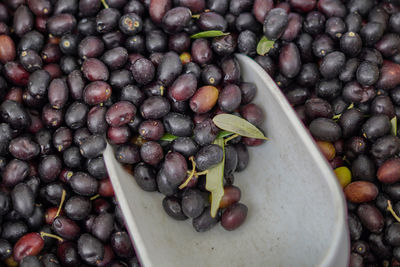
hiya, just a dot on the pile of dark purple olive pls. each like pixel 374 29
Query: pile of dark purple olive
pixel 338 63
pixel 152 78
pixel 155 78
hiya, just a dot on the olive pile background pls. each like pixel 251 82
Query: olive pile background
pixel 76 71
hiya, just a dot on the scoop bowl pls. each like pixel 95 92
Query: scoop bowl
pixel 297 213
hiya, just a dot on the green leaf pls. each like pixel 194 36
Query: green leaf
pixel 264 45
pixel 223 134
pixel 393 121
pixel 208 34
pixel 168 137
pixel 215 181
pixel 237 125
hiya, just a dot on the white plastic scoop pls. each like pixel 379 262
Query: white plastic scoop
pixel 297 213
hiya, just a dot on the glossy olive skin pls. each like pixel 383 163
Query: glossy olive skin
pixel 275 23
pixel 325 129
pixel 173 208
pixel 205 222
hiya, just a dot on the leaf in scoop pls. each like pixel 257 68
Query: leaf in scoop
pixel 215 180
pixel 168 137
pixel 393 121
pixel 237 125
pixel 223 134
pixel 208 34
pixel 264 45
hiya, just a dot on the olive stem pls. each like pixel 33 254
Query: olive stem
pixel 61 203
pixel 94 197
pixel 390 209
pixel 202 173
pixel 230 138
pixel 43 234
pixel 351 106
pixel 104 3
pixel 191 174
pixel 337 116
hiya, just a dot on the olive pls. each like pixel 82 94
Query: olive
pixel 289 60
pixel 178 124
pixel 234 216
pixel 173 208
pixel 350 122
pixel 370 217
pixel 145 177
pixel 275 23
pixel 176 19
pixel 332 64
pixel 23 200
pixel 325 129
pixel 192 203
pixel 205 222
pixel 376 126
pixel 208 156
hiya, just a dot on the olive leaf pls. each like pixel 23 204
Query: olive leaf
pixel 237 125
pixel 215 180
pixel 168 137
pixel 264 45
pixel 223 134
pixel 208 34
pixel 393 121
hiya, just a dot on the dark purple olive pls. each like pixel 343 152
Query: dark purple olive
pixel 90 47
pixel 24 148
pixel 61 24
pixel 15 171
pixel 129 153
pixel 49 168
pixel 176 19
pixel 58 93
pixel 23 20
pixel 23 200
pixel 143 71
pixel 201 51
pixel 107 19
pixel 289 60
pixel 350 122
pixel 103 226
pixel 93 146
pixel 178 124
pixel 90 249
pixel 169 68
pixel 332 64
pixel 370 217
pixel 130 24
pixel 376 126
pixel 83 184
pixel 275 23
pixel 325 129
pixel 173 208
pixel 205 222
pixel 65 227
pixel 145 177
pixel 120 113
pixel 121 244
pixel 154 107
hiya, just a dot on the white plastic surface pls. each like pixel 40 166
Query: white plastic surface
pixel 297 213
